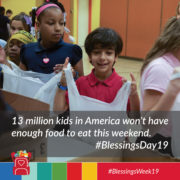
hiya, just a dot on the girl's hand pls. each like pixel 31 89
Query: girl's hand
pixel 133 85
pixel 58 68
pixel 63 78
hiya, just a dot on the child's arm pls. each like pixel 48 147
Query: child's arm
pixel 60 103
pixel 157 101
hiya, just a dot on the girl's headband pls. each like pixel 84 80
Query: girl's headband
pixel 42 8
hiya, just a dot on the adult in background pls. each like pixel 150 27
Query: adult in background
pixel 4 25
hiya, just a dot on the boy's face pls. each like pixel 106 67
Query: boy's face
pixel 8 15
pixel 103 60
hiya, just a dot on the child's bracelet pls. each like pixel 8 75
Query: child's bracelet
pixel 64 88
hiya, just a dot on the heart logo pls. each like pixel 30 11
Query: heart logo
pixel 21 162
pixel 45 60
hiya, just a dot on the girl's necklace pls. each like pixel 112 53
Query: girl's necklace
pixel 46 60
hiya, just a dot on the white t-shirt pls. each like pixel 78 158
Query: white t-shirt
pixel 156 76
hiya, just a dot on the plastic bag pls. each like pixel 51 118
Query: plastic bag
pixel 41 76
pixel 31 84
pixel 47 92
pixel 84 103
pixel 15 83
pixel 87 107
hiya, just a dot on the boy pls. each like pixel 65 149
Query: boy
pixel 103 46
pixel 9 13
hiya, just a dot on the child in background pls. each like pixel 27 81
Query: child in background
pixel 50 50
pixel 161 60
pixel 20 22
pixel 158 92
pixel 9 13
pixel 103 46
pixel 13 47
pixel 15 42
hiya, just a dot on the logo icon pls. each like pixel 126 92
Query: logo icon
pixel 21 162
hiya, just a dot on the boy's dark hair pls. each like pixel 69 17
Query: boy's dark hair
pixel 105 37
pixel 2 10
pixel 9 11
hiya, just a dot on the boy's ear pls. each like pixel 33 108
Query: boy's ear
pixel 116 58
pixel 89 57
